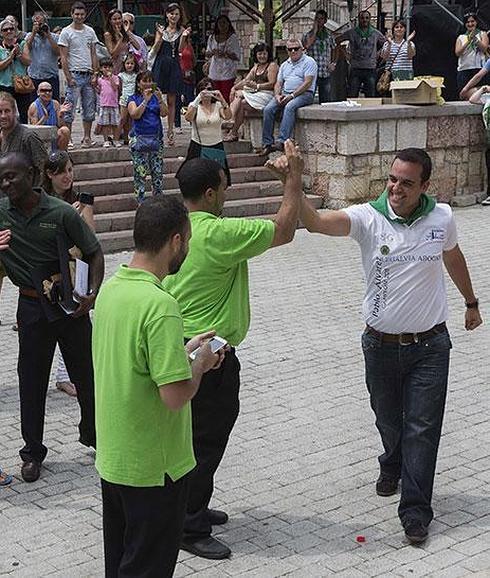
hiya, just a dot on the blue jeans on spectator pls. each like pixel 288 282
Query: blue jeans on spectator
pixel 85 90
pixel 365 77
pixel 323 89
pixel 288 117
pixel 407 386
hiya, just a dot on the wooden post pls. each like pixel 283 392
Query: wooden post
pixel 269 20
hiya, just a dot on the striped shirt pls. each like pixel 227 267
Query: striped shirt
pixel 402 61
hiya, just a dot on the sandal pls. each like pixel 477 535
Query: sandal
pixel 230 137
pixel 170 138
pixel 5 479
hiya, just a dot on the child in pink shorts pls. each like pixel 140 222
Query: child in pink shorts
pixel 108 89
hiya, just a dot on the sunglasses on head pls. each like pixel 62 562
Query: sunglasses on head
pixel 294 48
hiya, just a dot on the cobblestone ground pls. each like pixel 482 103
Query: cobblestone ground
pixel 298 477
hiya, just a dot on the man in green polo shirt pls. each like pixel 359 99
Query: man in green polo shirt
pixel 33 222
pixel 143 383
pixel 212 291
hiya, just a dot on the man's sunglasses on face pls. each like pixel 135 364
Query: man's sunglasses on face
pixel 45 90
pixel 7 29
pixel 294 48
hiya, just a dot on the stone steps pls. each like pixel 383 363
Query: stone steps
pixel 105 205
pixel 123 168
pixel 109 184
pixel 119 238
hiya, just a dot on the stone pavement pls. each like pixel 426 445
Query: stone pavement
pixel 298 477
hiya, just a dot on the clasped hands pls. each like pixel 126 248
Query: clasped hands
pixel 291 163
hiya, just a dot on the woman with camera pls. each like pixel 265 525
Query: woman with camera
pixel 146 108
pixel 58 182
pixel 206 114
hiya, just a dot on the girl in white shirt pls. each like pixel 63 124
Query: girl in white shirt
pixel 470 49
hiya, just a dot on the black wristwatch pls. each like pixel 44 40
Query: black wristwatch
pixel 472 305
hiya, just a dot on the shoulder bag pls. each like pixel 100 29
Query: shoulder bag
pixel 383 84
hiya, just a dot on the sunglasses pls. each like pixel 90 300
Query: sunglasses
pixel 8 29
pixel 45 90
pixel 294 48
pixel 128 21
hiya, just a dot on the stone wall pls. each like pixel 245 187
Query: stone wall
pixel 348 152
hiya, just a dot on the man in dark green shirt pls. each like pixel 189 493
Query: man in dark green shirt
pixel 31 226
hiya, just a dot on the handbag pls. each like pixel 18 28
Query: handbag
pixel 23 84
pixel 217 155
pixel 383 84
pixel 145 143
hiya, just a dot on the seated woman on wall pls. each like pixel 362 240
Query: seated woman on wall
pixel 207 113
pixel 256 90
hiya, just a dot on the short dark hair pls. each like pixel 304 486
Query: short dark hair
pixel 261 46
pixel 469 15
pixel 395 22
pixel 322 12
pixel 198 175
pixel 106 62
pixel 157 220
pixel 142 75
pixel 55 164
pixel 419 157
pixel 77 6
pixel 201 85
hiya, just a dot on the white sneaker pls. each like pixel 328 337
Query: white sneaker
pixel 107 144
pixel 118 144
pixel 71 145
pixel 486 201
pixel 178 130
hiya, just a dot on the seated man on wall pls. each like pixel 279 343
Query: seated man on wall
pixel 45 111
pixel 294 88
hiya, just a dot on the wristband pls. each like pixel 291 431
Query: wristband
pixel 472 305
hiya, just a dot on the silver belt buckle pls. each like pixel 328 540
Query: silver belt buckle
pixel 414 336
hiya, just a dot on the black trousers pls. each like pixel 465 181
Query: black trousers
pixel 37 343
pixel 215 410
pixel 143 528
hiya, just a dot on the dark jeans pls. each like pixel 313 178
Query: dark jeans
pixel 142 528
pixel 407 386
pixel 323 89
pixel 365 78
pixel 215 409
pixel 54 81
pixel 37 343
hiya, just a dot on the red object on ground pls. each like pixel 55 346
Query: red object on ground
pixel 360 539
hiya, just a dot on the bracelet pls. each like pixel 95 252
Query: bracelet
pixel 472 304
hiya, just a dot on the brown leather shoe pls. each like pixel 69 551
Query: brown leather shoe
pixel 30 471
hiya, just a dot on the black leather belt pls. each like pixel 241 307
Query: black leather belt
pixel 406 338
pixel 80 71
pixel 29 292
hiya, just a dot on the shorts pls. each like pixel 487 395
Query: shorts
pixel 108 116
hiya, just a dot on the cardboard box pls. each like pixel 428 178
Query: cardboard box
pixel 421 91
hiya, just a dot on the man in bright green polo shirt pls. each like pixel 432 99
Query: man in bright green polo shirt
pixel 143 383
pixel 212 291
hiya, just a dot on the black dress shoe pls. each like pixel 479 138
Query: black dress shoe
pixel 217 517
pixel 278 147
pixel 30 471
pixel 267 149
pixel 386 486
pixel 207 547
pixel 416 532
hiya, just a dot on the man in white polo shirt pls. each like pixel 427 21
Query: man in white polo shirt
pixel 405 237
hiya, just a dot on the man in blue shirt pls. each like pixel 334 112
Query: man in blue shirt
pixel 295 87
pixel 44 49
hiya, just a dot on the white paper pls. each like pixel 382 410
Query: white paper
pixel 81 278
